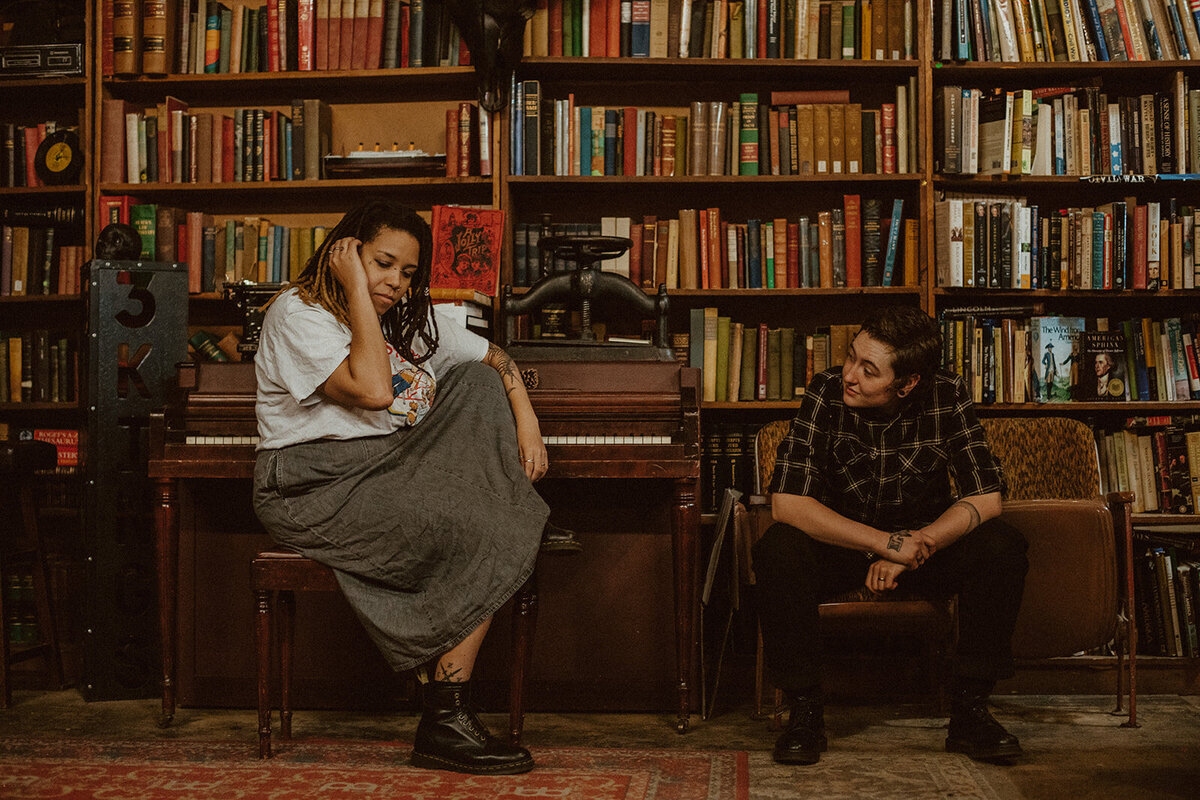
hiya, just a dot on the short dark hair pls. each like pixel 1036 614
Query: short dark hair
pixel 915 339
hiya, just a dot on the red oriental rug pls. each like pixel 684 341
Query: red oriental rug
pixel 73 769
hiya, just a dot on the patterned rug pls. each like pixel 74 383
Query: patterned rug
pixel 304 770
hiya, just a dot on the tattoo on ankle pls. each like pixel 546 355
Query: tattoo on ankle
pixel 449 673
pixel 896 540
pixel 976 520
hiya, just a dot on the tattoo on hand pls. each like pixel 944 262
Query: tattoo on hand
pixel 896 540
pixel 976 520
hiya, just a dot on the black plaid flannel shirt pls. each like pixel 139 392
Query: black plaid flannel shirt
pixel 892 473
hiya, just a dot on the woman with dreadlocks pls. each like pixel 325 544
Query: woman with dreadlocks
pixel 399 449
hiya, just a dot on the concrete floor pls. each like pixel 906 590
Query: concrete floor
pixel 1075 747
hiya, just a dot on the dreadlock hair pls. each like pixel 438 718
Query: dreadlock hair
pixel 406 320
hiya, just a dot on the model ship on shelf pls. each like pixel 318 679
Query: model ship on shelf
pixel 378 163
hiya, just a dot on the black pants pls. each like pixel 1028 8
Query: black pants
pixel 795 573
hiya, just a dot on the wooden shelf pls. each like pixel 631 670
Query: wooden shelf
pixel 740 181
pixel 278 187
pixel 274 88
pixel 1150 519
pixel 24 299
pixel 944 72
pixel 821 292
pixel 1125 407
pixel 38 407
pixel 711 69
pixel 22 191
pixel 751 405
pixel 1089 294
pixel 44 83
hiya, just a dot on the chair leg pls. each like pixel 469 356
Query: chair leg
pixel 524 622
pixel 287 629
pixel 262 648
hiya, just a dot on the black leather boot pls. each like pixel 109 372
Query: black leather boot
pixel 975 732
pixel 450 736
pixel 560 540
pixel 804 740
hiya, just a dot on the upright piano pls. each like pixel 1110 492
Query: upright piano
pixel 600 419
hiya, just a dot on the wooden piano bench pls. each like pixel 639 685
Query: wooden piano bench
pixel 275 577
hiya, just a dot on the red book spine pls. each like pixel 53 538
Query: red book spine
pixel 741 254
pixel 227 153
pixel 762 53
pixel 852 204
pixel 333 42
pixel 268 153
pixel 612 28
pixel 598 30
pixel 181 248
pixel 464 139
pixel 718 270
pixel 1162 467
pixel 361 35
pixel 702 229
pixel 649 244
pixel 33 140
pixel 195 251
pixel 321 36
pixel 349 28
pixel 452 141
pixel 273 35
pixel 629 125
pixel 889 138
pixel 761 393
pixel 304 34
pixel 556 27
pixel 1141 218
pixel 403 36
pixel 635 253
pixel 464 53
pixel 793 255
pixel 106 38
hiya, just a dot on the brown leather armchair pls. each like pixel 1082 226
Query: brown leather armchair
pixel 1078 585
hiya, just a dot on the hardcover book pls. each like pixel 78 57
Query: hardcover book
pixel 466 248
pixel 1053 356
pixel 1102 367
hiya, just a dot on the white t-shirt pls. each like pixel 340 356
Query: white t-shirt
pixel 301 346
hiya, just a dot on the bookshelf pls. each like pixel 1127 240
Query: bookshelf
pixel 408 104
pixel 47 235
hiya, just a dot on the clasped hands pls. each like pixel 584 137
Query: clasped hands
pixel 905 550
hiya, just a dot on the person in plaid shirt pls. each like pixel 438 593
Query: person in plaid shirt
pixel 862 494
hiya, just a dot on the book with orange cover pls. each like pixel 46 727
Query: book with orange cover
pixel 466 248
pixel 852 205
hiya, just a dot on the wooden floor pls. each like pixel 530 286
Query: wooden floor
pixel 1075 747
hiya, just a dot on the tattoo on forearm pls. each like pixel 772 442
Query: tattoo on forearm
pixel 975 520
pixel 896 540
pixel 448 672
pixel 505 366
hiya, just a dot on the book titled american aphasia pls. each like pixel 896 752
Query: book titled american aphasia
pixel 466 248
pixel 1054 356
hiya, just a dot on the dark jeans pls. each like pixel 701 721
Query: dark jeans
pixel 794 573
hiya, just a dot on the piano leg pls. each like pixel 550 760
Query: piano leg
pixel 166 524
pixel 685 542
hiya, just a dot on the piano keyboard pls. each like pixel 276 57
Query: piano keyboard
pixel 197 439
pixel 605 439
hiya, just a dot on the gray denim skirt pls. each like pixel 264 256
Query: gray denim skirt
pixel 429 529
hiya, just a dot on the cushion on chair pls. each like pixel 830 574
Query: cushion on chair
pixel 1045 457
pixel 1070 600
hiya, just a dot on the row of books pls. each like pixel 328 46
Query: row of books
pixel 20 144
pixel 202 36
pixel 1159 464
pixel 33 261
pixel 745 363
pixel 859 244
pixel 38 366
pixel 726 461
pixel 20 609
pixel 1167 592
pixel 1010 357
pixel 1066 131
pixel 169 144
pixel 802 132
pixel 1067 30
pixel 793 29
pixel 1006 244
